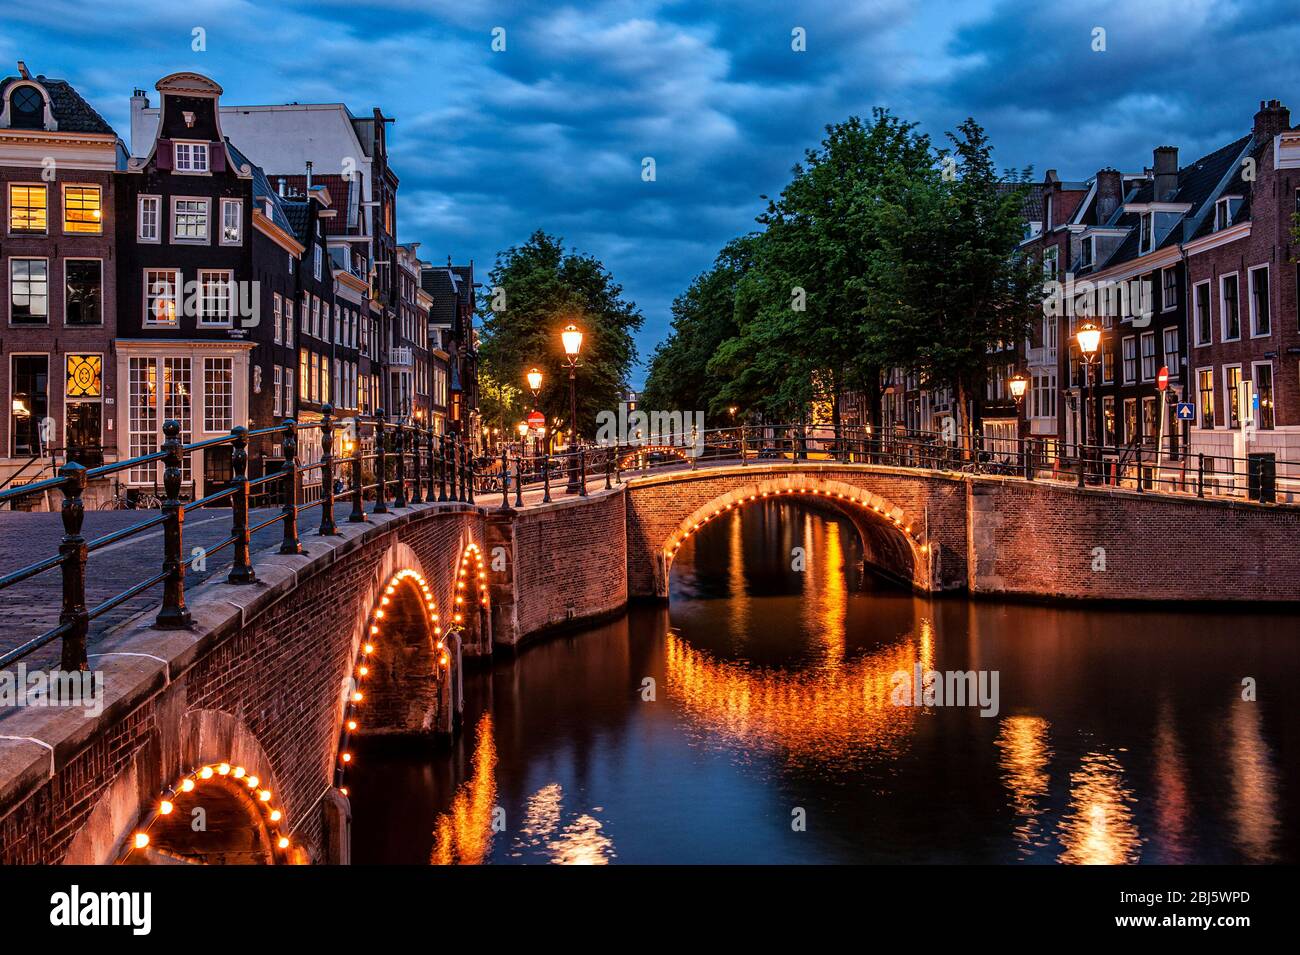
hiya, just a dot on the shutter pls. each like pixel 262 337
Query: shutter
pixel 163 155
pixel 217 157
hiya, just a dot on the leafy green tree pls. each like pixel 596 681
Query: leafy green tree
pixel 545 288
pixel 950 284
pixel 704 317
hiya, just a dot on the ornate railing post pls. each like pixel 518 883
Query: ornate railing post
pixel 292 489
pixel 399 497
pixel 381 464
pixel 417 472
pixel 358 515
pixel 743 455
pixel 582 471
pixel 241 569
pixel 173 613
pixel 453 487
pixel 609 467
pixel 505 477
pixel 469 473
pixel 519 480
pixel 327 527
pixel 74 552
pixel 546 476
pixel 441 442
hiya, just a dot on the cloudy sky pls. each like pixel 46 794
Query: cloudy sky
pixel 552 131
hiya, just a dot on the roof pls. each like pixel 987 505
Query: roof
pixel 71 112
pixel 443 285
pixel 298 212
pixel 262 190
pixel 340 190
pixel 1032 205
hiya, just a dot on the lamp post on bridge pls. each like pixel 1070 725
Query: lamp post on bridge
pixel 572 339
pixel 1089 338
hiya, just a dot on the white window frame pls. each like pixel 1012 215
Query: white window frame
pixel 9 298
pixel 1272 381
pixel 316 260
pixel 140 234
pixel 207 221
pixel 1195 315
pixel 63 207
pixel 238 206
pixel 1166 305
pixel 276 395
pixel 209 394
pixel 1250 294
pixel 1223 307
pixel 148 320
pixel 289 394
pixel 1142 356
pixel 1124 363
pixel 1196 396
pixel 8 195
pixel 1230 396
pixel 1164 351
pixel 1147 224
pixel 192 149
pixel 102 290
pixel 277 318
pixel 203 277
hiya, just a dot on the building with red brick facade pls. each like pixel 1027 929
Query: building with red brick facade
pixel 57 162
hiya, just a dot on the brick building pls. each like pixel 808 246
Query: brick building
pixel 57 162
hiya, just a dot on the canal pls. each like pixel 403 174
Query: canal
pixel 757 719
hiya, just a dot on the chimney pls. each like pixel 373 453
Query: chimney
pixel 1110 192
pixel 22 70
pixel 308 177
pixel 1166 173
pixel 1271 119
pixel 281 189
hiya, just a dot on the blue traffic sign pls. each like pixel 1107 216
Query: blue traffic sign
pixel 1185 411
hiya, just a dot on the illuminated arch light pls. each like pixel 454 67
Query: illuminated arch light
pixel 892 516
pixel 272 817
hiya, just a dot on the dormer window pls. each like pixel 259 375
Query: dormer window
pixel 1147 239
pixel 26 108
pixel 1086 251
pixel 190 157
pixel 1222 215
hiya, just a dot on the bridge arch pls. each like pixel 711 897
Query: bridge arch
pixel 894 541
pixel 631 454
pixel 471 604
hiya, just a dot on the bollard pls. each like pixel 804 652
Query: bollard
pixel 241 570
pixel 519 481
pixel 173 613
pixel 293 489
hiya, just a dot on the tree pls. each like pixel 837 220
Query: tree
pixel 545 287
pixel 952 286
pixel 704 317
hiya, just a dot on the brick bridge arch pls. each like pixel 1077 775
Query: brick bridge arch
pixel 907 524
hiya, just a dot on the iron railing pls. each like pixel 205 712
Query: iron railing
pixel 408 458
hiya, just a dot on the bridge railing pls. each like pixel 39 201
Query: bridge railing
pixel 404 463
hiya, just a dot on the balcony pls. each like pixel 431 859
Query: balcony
pixel 401 357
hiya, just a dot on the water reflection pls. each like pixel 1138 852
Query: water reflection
pixel 580 842
pixel 463 834
pixel 1098 828
pixel 1254 812
pixel 1025 761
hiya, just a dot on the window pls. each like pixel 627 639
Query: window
pixel 1050 260
pixel 1148 356
pixel 83 411
pixel 232 221
pixel 190 157
pixel 82 210
pixel 1230 307
pixel 1231 387
pixel 1108 420
pixel 288 322
pixel 1222 215
pixel 315 317
pixel 1168 288
pixel 316 261
pixel 1147 240
pixel 177 391
pixel 306 314
pixel 277 320
pixel 26 108
pixel 29 291
pixel 1108 363
pixel 218 394
pixel 142 417
pixel 1172 359
pixel 1085 252
pixel 1131 434
pixel 1261 323
pixel 161 287
pixel 1205 391
pixel 304 379
pixel 148 219
pixel 27 209
pixel 1130 360
pixel 1150 420
pixel 215 291
pixel 1263 376
pixel 1202 296
pixel 276 403
pixel 190 220
pixel 83 296
pixel 29 403
pixel 313 392
pixel 288 392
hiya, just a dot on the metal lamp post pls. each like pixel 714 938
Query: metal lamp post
pixel 1089 338
pixel 572 339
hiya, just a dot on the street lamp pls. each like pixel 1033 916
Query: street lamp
pixel 534 382
pixel 572 339
pixel 1018 384
pixel 522 428
pixel 1089 338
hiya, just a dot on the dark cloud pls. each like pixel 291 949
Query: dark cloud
pixel 551 133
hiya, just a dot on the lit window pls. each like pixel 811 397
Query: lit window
pixel 27 209
pixel 85 376
pixel 232 221
pixel 190 157
pixel 160 289
pixel 82 210
pixel 218 394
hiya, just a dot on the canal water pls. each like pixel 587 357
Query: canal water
pixel 758 718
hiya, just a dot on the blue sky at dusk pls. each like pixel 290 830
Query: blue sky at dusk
pixel 551 133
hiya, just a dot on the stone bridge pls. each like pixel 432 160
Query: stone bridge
pixel 368 632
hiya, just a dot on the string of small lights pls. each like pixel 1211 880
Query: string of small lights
pixel 903 526
pixel 234 775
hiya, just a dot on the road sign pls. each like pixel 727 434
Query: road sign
pixel 536 420
pixel 1185 411
pixel 1162 378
